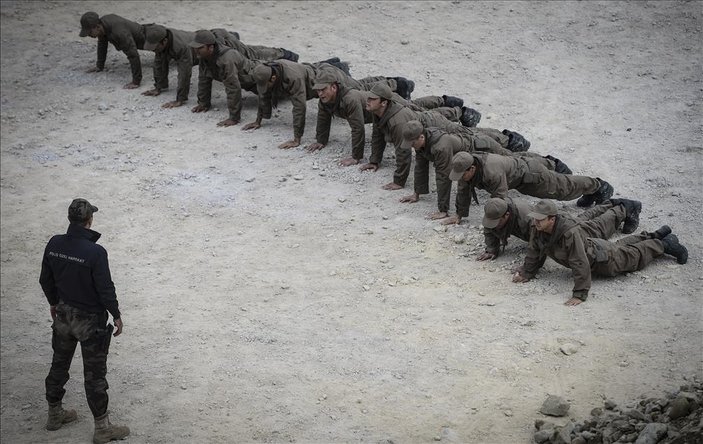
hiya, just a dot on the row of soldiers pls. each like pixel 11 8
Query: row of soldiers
pixel 439 129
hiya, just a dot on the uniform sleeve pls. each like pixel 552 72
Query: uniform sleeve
pixel 421 183
pixel 204 85
pixel 298 98
pixel 230 79
pixel 185 71
pixel 130 50
pixel 104 285
pixel 355 117
pixel 496 184
pixel 578 263
pixel 161 70
pixel 324 122
pixel 47 282
pixel 463 198
pixel 535 258
pixel 492 241
pixel 442 167
pixel 378 144
pixel 102 53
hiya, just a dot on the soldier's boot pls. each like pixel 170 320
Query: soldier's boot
pixel 603 193
pixel 58 416
pixel 344 66
pixel 559 166
pixel 452 102
pixel 632 214
pixel 674 248
pixel 404 87
pixel 661 232
pixel 105 431
pixel 290 55
pixel 516 142
pixel 331 61
pixel 469 117
pixel 235 34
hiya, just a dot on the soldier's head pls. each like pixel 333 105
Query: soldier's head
pixel 91 25
pixel 544 215
pixel 413 135
pixel 379 98
pixel 326 86
pixel 156 38
pixel 463 167
pixel 204 44
pixel 81 212
pixel 496 213
pixel 265 77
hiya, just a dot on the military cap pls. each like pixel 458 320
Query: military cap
pixel 494 209
pixel 202 38
pixel 382 91
pixel 88 21
pixel 460 163
pixel 412 130
pixel 543 209
pixel 262 74
pixel 324 79
pixel 154 35
pixel 81 210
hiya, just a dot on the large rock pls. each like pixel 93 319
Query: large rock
pixel 555 406
pixel 652 433
pixel 678 408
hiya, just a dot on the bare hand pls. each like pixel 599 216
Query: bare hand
pixel 152 92
pixel 290 144
pixel 392 186
pixel 452 220
pixel 52 310
pixel 369 166
pixel 228 122
pixel 519 278
pixel 314 147
pixel 93 69
pixel 410 198
pixel 573 301
pixel 251 126
pixel 174 104
pixel 486 256
pixel 349 161
pixel 200 109
pixel 118 327
pixel 131 85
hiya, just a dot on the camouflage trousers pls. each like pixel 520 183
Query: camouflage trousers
pixel 70 327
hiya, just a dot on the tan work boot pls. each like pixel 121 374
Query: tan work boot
pixel 58 416
pixel 106 432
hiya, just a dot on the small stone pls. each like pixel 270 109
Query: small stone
pixel 298 177
pixel 103 107
pixel 342 200
pixel 404 42
pixel 251 179
pixel 543 435
pixel 563 434
pixel 609 405
pixel 636 414
pixel 148 114
pixel 568 348
pixel 678 408
pixel 652 433
pixel 459 238
pixel 555 406
pixel 597 411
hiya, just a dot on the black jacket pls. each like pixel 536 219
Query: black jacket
pixel 75 270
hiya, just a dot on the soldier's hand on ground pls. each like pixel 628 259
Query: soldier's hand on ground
pixel 118 327
pixel 174 104
pixel 52 310
pixel 573 301
pixel 392 186
pixel 314 147
pixel 452 220
pixel 349 161
pixel 152 92
pixel 410 198
pixel 519 278
pixel 486 256
pixel 93 69
pixel 251 126
pixel 228 122
pixel 290 144
pixel 131 85
pixel 369 166
pixel 438 215
pixel 200 109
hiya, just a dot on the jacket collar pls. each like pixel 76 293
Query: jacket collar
pixel 76 230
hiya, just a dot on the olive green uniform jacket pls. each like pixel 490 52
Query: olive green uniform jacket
pixel 178 49
pixel 231 68
pixel 126 36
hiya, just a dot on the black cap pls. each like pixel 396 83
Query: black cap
pixel 88 21
pixel 81 210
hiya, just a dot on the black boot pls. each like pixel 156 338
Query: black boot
pixel 632 214
pixel 452 102
pixel 469 117
pixel 661 233
pixel 674 248
pixel 290 55
pixel 604 192
pixel 331 61
pixel 559 166
pixel 235 34
pixel 404 87
pixel 516 143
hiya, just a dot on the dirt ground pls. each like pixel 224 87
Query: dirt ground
pixel 274 296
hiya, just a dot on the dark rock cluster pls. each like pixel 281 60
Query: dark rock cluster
pixel 676 418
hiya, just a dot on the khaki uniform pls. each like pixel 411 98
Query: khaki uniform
pixel 600 221
pixel 178 49
pixel 126 36
pixel 530 175
pixel 571 247
pixel 231 68
pixel 252 52
pixel 389 128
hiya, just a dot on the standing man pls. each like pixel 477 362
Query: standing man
pixel 125 35
pixel 559 237
pixel 75 277
pixel 224 64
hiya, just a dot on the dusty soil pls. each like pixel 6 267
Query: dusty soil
pixel 273 296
